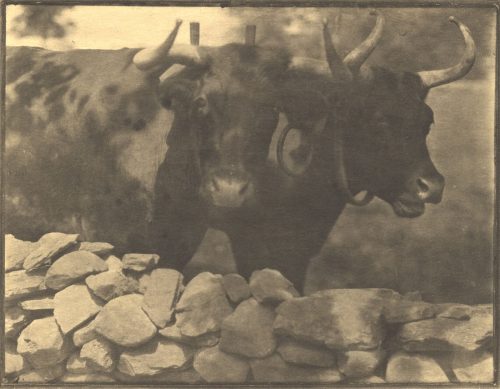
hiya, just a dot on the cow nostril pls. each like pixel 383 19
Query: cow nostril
pixel 423 186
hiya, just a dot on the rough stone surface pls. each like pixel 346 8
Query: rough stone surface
pixel 338 318
pixel 43 344
pixel 474 367
pixel 101 249
pixel 163 291
pixel 73 306
pixel 76 364
pixel 248 330
pixel 85 334
pixel 144 282
pixel 236 287
pixel 373 379
pixel 124 322
pixel 16 252
pixel 188 376
pixel 14 362
pixel 49 247
pixel 46 374
pixel 302 353
pixel 269 286
pixel 114 263
pixel 404 311
pixel 448 334
pixel 413 368
pixel 455 311
pixel 38 304
pixel 15 320
pixel 154 357
pixel 275 369
pixel 111 284
pixel 140 262
pixel 99 354
pixel 359 363
pixel 203 305
pixel 73 267
pixel 96 378
pixel 216 366
pixel 21 284
pixel 173 332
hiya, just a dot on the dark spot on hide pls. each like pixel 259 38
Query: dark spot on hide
pixel 83 100
pixel 111 89
pixel 139 125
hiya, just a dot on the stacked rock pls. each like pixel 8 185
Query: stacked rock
pixel 76 313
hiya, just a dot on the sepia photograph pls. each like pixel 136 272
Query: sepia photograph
pixel 253 195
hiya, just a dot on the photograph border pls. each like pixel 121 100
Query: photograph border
pixel 492 4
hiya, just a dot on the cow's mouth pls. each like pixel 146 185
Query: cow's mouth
pixel 408 208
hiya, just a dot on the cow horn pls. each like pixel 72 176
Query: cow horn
pixel 337 67
pixel 359 55
pixel 162 56
pixel 433 78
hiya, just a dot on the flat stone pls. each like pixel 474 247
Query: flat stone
pixel 15 320
pixel 14 362
pixel 443 334
pixel 101 249
pixel 99 354
pixel 76 364
pixel 85 334
pixel 413 368
pixel 358 364
pixel 20 284
pixel 140 262
pixel 477 368
pixel 46 374
pixel 90 378
pixel 269 286
pixel 114 263
pixel 346 319
pixel 73 267
pixel 111 284
pixel 16 252
pixel 49 247
pixel 216 366
pixel 38 304
pixel 73 306
pixel 404 311
pixel 173 332
pixel 144 282
pixel 187 376
pixel 373 379
pixel 155 357
pixel 302 353
pixel 203 305
pixel 248 330
pixel 124 322
pixel 162 294
pixel 236 287
pixel 43 344
pixel 274 369
pixel 455 311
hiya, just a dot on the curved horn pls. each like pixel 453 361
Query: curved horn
pixel 359 55
pixel 433 78
pixel 166 53
pixel 337 67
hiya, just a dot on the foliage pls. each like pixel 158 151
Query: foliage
pixel 42 21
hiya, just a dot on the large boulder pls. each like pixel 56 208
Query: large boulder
pixel 164 289
pixel 154 358
pixel 111 284
pixel 475 367
pixel 16 252
pixel 174 333
pixel 101 249
pixel 347 319
pixel 248 330
pixel 414 368
pixel 15 320
pixel 441 333
pixel 21 284
pixel 124 322
pixel 42 375
pixel 236 287
pixel 203 305
pixel 74 306
pixel 14 362
pixel 73 267
pixel 38 304
pixel 140 262
pixel 269 286
pixel 216 366
pixel 43 344
pixel 302 353
pixel 84 378
pixel 50 246
pixel 99 355
pixel 356 363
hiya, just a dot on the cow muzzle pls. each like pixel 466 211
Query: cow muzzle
pixel 230 189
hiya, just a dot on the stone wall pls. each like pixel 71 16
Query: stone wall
pixel 76 313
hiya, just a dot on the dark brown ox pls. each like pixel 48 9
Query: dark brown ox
pixel 354 129
pixel 86 140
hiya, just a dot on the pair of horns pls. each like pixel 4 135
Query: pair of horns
pixel 349 66
pixel 166 54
